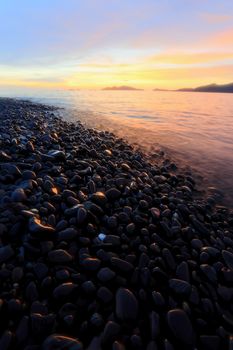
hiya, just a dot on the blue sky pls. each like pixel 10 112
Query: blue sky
pixel 57 41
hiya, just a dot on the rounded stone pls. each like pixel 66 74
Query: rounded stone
pixel 106 274
pixel 181 326
pixel 180 287
pixel 122 265
pixel 228 258
pixel 60 342
pixel 126 305
pixel 67 234
pixel 64 290
pixel 99 198
pixel 113 194
pixel 59 256
pixel 111 330
pixel 28 175
pixel 18 195
pixel 91 264
pixel 81 215
pixel 6 253
pixel 36 227
pixel 112 239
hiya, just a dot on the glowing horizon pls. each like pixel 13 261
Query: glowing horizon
pixel 96 44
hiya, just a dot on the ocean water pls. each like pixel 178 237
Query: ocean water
pixel 194 129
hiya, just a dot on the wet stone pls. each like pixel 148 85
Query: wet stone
pixel 199 226
pixel 31 292
pixel 91 264
pixel 112 222
pixel 6 340
pixel 39 308
pixel 12 169
pixel 22 331
pixel 40 270
pixel 228 258
pixel 81 215
pixel 60 342
pixel 213 252
pixel 89 287
pixel 6 253
pixel 19 195
pixel 113 194
pixel 28 175
pixel 210 342
pixel 180 326
pixel 209 273
pixel 96 320
pixel 136 341
pixel 118 346
pixel 155 212
pixel 196 244
pixel 14 307
pixel 106 274
pixel 111 330
pixel 105 295
pixel 122 265
pixel 67 234
pixel 169 258
pixel 180 287
pixel 126 305
pixel 182 271
pixel 59 256
pixel 42 324
pixel 4 157
pixel 62 275
pixel 56 155
pixel 99 198
pixel 154 325
pixel 158 299
pixel 35 226
pixel 112 239
pixel 130 228
pixel 64 290
pixel 17 274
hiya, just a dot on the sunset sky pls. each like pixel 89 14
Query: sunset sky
pixel 96 43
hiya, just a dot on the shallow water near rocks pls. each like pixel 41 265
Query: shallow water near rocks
pixel 194 129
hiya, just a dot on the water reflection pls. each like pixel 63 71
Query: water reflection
pixel 195 128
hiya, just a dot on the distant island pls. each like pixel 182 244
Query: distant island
pixel 211 88
pixel 227 88
pixel 114 88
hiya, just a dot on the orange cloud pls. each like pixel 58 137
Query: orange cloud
pixel 220 40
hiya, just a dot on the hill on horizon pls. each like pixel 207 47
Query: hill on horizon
pixel 227 88
pixel 123 87
pixel 211 88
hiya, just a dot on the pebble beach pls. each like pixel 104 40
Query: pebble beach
pixel 102 249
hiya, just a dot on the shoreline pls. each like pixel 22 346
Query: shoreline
pixel 103 247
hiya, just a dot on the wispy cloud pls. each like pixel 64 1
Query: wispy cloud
pixel 185 58
pixel 216 18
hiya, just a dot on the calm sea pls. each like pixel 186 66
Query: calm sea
pixel 194 129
